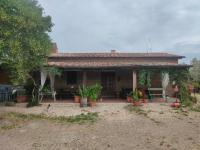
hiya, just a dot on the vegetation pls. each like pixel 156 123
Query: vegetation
pixel 179 76
pixel 17 118
pixel 94 91
pixel 135 109
pixel 195 73
pixel 84 91
pixel 136 96
pixel 24 39
pixel 195 108
pixel 145 77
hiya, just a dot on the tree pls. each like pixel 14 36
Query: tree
pixel 24 39
pixel 195 72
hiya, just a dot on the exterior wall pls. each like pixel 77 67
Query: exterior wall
pixel 123 80
pixel 93 77
pixel 61 82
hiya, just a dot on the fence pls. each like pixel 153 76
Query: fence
pixel 6 93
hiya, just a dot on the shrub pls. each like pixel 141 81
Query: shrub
pixel 32 102
pixel 94 91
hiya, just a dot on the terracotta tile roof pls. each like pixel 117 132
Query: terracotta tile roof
pixel 113 54
pixel 113 59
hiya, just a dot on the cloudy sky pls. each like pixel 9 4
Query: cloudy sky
pixel 126 25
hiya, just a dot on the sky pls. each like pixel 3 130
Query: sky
pixel 171 26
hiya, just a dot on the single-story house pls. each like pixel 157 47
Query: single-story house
pixel 116 72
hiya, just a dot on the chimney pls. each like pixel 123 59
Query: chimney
pixel 54 48
pixel 113 51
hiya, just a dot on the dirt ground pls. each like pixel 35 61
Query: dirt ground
pixel 158 128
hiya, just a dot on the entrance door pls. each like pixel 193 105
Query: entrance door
pixel 108 84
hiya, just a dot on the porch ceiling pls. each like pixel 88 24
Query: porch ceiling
pixel 94 65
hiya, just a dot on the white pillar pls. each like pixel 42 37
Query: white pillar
pixel 134 80
pixel 165 82
pixel 52 82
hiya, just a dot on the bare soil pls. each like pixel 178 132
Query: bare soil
pixel 158 127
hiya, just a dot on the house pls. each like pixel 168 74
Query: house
pixel 117 72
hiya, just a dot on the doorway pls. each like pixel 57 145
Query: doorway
pixel 108 82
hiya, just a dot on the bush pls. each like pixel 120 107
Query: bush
pixel 94 91
pixel 32 102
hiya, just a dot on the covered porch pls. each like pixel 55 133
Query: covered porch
pixel 116 84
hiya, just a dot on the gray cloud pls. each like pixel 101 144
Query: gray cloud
pixel 126 25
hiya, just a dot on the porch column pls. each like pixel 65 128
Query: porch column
pixel 52 82
pixel 84 78
pixel 165 82
pixel 134 80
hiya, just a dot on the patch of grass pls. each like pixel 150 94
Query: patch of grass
pixel 195 108
pixel 91 117
pixel 82 118
pixel 135 109
pixel 16 119
pixel 8 127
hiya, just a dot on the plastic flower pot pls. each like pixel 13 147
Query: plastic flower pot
pixel 83 102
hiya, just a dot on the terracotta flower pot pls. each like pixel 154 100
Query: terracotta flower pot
pixel 77 99
pixel 144 100
pixel 22 99
pixel 129 99
pixel 136 103
pixel 175 104
pixel 92 103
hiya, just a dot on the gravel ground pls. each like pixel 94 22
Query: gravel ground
pixel 117 129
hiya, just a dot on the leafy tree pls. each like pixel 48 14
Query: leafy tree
pixel 195 72
pixel 24 40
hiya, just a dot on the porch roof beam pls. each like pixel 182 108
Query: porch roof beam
pixel 125 68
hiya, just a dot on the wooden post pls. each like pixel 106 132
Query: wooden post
pixel 84 78
pixel 134 80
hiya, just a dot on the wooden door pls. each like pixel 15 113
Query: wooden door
pixel 108 84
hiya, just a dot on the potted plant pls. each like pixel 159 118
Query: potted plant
pixel 84 94
pixel 142 96
pixel 21 95
pixel 129 97
pixel 94 92
pixel 77 97
pixel 136 98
